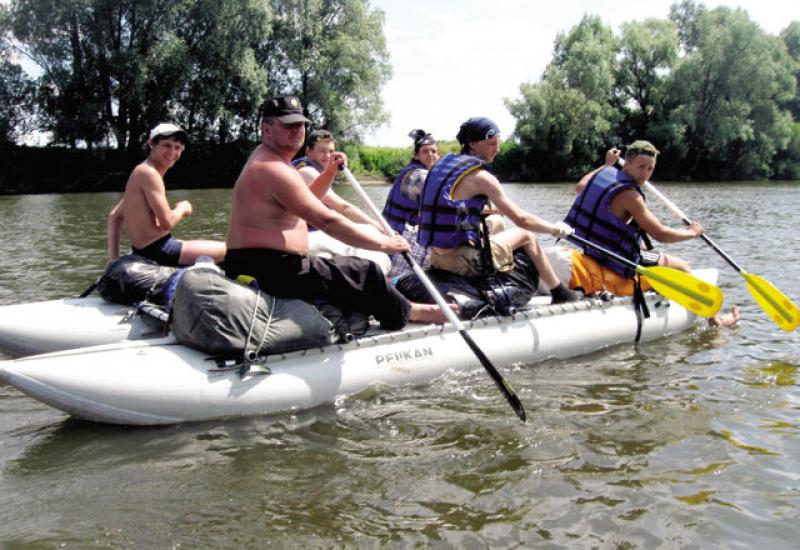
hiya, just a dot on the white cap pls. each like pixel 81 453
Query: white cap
pixel 168 129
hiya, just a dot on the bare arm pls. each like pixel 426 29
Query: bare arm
pixel 298 199
pixel 320 182
pixel 114 230
pixel 612 156
pixel 634 204
pixel 156 196
pixel 486 184
pixel 348 210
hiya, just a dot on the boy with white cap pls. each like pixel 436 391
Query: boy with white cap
pixel 145 213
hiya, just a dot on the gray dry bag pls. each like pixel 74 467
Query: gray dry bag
pixel 218 316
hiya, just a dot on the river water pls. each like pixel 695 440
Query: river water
pixel 692 441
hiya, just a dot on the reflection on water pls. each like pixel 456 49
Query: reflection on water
pixel 688 441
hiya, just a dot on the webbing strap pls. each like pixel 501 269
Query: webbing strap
pixel 639 307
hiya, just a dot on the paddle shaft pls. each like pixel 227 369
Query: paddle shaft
pixel 698 296
pixel 677 211
pixel 776 304
pixel 605 251
pixel 501 383
pixel 89 290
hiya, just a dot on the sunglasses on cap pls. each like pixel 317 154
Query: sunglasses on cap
pixel 641 151
pixel 641 147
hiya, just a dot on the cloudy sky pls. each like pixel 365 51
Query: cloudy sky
pixel 456 59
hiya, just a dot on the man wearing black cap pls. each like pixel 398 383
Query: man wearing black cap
pixel 461 190
pixel 145 212
pixel 268 233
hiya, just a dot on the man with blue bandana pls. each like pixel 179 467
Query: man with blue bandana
pixel 459 192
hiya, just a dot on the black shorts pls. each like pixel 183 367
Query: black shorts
pixel 345 281
pixel 164 251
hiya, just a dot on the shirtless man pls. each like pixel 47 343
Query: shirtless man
pixel 268 233
pixel 145 212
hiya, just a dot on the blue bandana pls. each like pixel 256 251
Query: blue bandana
pixel 477 129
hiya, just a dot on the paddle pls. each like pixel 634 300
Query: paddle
pixel 90 289
pixel 774 302
pixel 696 295
pixel 501 383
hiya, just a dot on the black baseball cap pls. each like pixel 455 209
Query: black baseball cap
pixel 287 109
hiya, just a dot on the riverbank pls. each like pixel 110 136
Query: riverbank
pixel 44 170
pixel 38 170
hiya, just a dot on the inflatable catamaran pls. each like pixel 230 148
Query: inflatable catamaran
pixel 140 377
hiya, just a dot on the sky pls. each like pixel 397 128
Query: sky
pixel 452 60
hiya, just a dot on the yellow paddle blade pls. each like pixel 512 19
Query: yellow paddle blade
pixel 773 301
pixel 696 295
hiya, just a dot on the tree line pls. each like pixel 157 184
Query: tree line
pixel 110 69
pixel 716 94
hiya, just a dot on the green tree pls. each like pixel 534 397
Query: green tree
pixel 787 162
pixel 111 68
pixel 585 58
pixel 16 89
pixel 566 118
pixel 791 39
pixel 648 50
pixel 685 14
pixel 558 129
pixel 332 53
pixel 225 81
pixel 726 99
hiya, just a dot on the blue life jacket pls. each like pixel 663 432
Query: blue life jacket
pixel 305 161
pixel 592 219
pixel 400 208
pixel 445 222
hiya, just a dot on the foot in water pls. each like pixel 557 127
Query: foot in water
pixel 429 313
pixel 728 320
pixel 562 294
